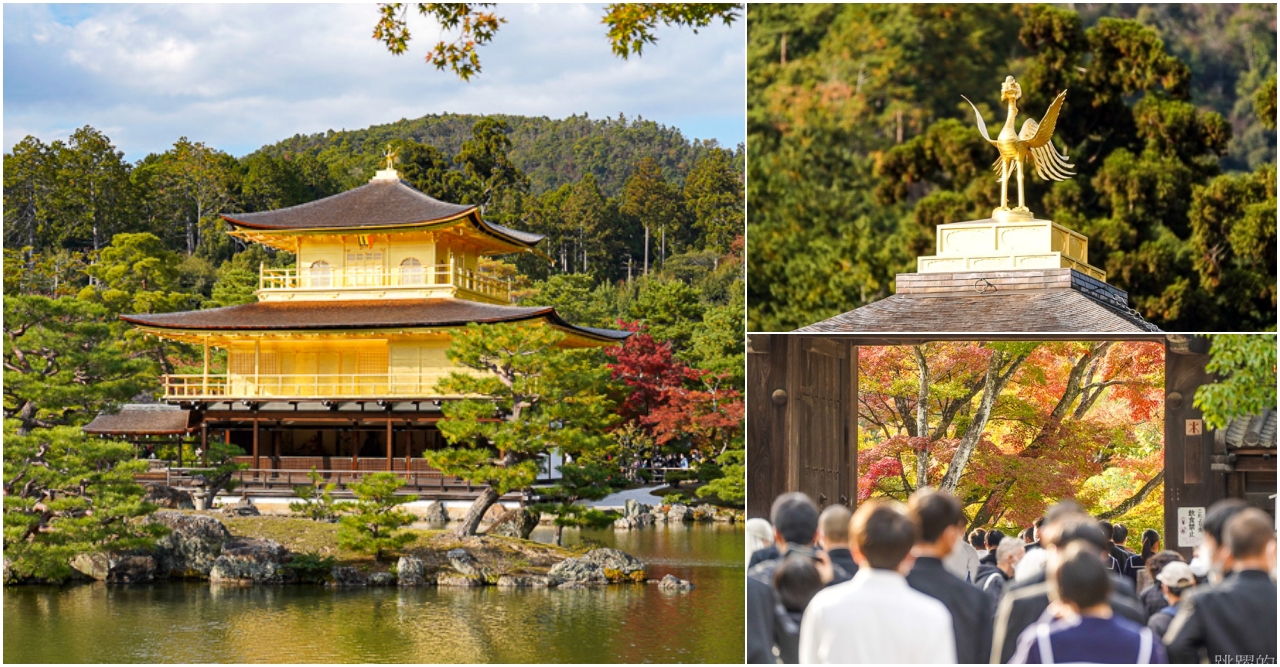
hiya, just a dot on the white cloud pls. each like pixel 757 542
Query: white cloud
pixel 239 76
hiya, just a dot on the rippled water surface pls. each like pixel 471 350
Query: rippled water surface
pixel 195 622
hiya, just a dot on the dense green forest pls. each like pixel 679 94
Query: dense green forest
pixel 550 152
pixel 860 145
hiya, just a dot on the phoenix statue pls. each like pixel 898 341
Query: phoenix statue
pixel 1015 147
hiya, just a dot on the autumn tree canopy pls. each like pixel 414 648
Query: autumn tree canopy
pixel 1012 427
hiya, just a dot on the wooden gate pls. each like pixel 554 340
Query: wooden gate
pixel 802 417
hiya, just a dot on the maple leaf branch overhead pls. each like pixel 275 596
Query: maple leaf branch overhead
pixel 631 27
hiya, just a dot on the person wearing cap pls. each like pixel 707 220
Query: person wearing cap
pixel 1175 578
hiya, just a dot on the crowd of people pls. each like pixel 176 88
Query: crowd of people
pixel 894 583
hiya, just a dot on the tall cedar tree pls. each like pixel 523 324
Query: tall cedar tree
pixel 532 397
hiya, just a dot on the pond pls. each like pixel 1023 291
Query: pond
pixel 177 622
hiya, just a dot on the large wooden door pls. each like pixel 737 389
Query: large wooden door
pixel 823 406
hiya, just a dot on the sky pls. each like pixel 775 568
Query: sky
pixel 237 77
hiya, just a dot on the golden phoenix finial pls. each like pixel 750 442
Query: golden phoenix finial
pixel 391 154
pixel 1033 140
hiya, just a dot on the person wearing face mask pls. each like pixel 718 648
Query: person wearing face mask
pixel 1233 620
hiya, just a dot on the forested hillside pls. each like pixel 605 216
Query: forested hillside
pixel 860 145
pixel 550 152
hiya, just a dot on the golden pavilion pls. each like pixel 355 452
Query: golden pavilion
pixel 335 367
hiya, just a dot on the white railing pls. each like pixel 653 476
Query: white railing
pixel 399 278
pixel 295 385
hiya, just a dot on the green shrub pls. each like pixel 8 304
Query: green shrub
pixel 311 568
pixel 673 498
pixel 316 501
pixel 371 528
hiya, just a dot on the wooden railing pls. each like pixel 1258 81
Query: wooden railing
pixel 296 386
pixel 416 479
pixel 397 278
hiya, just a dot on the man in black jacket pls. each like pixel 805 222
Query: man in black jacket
pixel 1233 621
pixel 1028 603
pixel 833 536
pixel 941 522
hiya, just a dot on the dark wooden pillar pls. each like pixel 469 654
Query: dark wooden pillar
pixel 408 450
pixel 1190 485
pixel 389 442
pixel 181 443
pixel 255 446
pixel 766 421
pixel 276 436
pixel 355 448
pixel 204 444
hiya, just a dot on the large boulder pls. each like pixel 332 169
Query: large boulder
pixel 251 561
pixel 193 544
pixel 526 581
pixel 704 513
pixel 634 508
pixel 517 522
pixel 409 571
pixel 382 579
pixel 168 497
pixel 634 521
pixel 578 571
pixel 678 513
pixel 617 565
pixel 116 568
pixel 465 563
pixel 671 584
pixel 461 580
pixel 345 575
pixel 436 513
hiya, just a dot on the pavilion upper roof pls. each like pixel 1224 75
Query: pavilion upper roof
pixel 380 204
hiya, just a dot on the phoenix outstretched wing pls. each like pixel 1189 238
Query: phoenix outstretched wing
pixel 982 125
pixel 1043 131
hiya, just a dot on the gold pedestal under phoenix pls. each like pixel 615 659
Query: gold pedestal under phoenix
pixel 1033 141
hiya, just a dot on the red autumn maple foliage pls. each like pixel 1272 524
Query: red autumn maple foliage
pixel 672 401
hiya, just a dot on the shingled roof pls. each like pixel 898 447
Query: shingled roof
pixel 141 419
pixel 1041 300
pixel 379 203
pixel 359 314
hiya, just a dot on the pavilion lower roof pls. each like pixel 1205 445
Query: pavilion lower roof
pixel 1040 300
pixel 378 204
pixel 139 419
pixel 360 314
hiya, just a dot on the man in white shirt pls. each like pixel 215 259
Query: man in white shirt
pixel 877 617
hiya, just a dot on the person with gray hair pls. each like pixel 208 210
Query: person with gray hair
pixel 991 578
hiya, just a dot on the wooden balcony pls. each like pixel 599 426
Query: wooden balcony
pixel 312 386
pixel 441 280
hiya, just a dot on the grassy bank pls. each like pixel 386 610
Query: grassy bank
pixel 503 555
